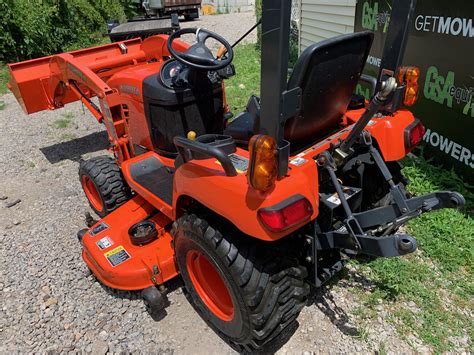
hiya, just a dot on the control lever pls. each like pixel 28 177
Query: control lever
pixel 387 87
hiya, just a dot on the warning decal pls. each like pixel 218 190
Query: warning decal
pixel 241 164
pixel 104 243
pixel 298 161
pixel 117 256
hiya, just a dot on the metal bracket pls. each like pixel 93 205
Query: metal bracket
pixel 123 48
pixel 291 103
pixel 386 246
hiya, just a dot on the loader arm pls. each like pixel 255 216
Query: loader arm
pixel 51 82
pixel 68 74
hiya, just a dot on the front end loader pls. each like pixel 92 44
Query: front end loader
pixel 253 211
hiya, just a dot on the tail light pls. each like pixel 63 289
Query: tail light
pixel 286 214
pixel 408 76
pixel 263 162
pixel 414 134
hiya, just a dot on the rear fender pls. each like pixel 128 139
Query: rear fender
pixel 233 199
pixel 389 132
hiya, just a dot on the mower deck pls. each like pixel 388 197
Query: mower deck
pixel 116 262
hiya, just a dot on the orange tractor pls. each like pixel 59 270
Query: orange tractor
pixel 250 211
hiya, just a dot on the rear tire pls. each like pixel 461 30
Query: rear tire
pixel 247 291
pixel 103 184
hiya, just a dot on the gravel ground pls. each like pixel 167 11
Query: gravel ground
pixel 49 299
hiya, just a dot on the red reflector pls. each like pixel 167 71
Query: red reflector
pixel 286 215
pixel 416 134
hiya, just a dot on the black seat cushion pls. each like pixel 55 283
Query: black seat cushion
pixel 327 72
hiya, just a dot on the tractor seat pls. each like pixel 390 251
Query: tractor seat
pixel 327 72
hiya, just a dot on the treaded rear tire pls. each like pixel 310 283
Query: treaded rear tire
pixel 106 177
pixel 266 284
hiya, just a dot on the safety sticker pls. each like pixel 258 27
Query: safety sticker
pixel 117 256
pixel 298 161
pixel 335 198
pixel 241 164
pixel 105 243
pixel 99 228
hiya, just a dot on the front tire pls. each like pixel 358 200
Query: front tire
pixel 103 184
pixel 246 290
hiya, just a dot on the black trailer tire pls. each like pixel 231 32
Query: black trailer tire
pixel 103 184
pixel 191 15
pixel 266 287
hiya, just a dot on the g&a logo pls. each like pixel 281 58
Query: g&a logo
pixel 442 90
pixel 437 87
pixel 369 16
pixel 372 18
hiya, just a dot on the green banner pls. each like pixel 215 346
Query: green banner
pixel 441 44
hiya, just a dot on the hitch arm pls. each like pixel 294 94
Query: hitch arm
pixel 416 206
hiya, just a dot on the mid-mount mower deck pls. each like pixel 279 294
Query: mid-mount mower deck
pixel 251 211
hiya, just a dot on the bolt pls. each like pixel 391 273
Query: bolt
pixel 309 259
pixel 404 210
pixel 308 240
pixel 322 160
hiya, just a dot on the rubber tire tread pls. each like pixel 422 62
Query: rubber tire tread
pixel 272 284
pixel 108 179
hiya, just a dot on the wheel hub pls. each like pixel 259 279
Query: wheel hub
pixel 92 193
pixel 209 285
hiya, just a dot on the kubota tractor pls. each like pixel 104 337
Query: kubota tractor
pixel 250 212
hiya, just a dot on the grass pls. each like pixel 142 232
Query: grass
pixel 65 121
pixel 438 278
pixel 429 293
pixel 68 137
pixel 247 81
pixel 4 78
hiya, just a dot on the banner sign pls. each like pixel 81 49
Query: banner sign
pixel 441 44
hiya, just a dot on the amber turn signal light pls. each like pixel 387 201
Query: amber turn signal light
pixel 408 76
pixel 263 167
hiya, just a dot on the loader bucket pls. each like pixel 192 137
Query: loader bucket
pixel 29 82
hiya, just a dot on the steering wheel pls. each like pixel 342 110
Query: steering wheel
pixel 199 56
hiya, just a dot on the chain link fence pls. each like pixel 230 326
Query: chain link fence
pixel 295 28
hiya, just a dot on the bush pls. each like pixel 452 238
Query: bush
pixel 293 45
pixel 35 28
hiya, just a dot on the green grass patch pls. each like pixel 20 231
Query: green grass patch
pixel 438 278
pixel 2 105
pixel 65 121
pixel 247 81
pixel 4 78
pixel 68 137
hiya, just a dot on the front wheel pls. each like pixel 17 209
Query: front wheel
pixel 247 291
pixel 103 184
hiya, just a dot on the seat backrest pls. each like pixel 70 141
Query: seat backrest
pixel 327 72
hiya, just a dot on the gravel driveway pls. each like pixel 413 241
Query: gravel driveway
pixel 49 299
